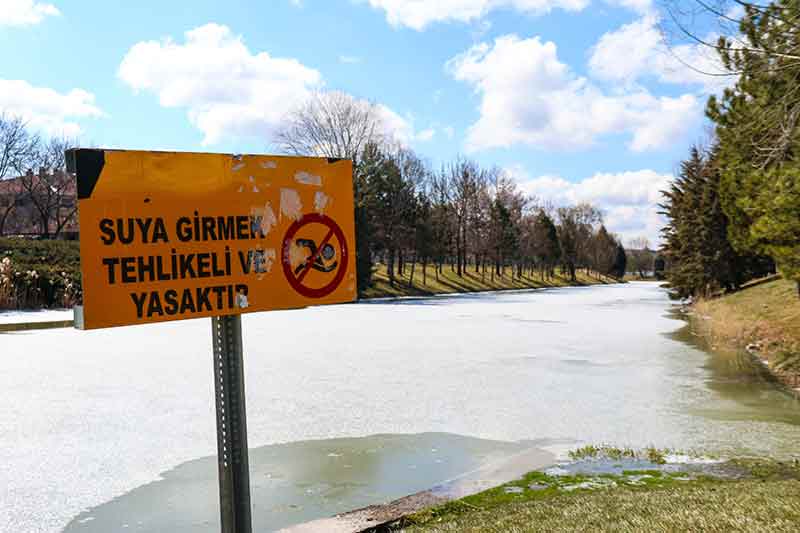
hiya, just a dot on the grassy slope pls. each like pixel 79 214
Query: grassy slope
pixel 450 282
pixel 767 500
pixel 766 314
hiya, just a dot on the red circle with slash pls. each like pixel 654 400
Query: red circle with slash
pixel 296 281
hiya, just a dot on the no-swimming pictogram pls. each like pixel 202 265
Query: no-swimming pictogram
pixel 328 256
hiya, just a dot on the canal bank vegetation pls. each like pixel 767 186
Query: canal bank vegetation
pixel 733 212
pixel 763 319
pixel 738 495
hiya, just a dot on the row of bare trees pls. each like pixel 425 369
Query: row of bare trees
pixel 36 194
pixel 474 219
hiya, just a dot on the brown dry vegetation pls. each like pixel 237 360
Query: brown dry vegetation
pixel 765 318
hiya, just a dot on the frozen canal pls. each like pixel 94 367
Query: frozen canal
pixel 91 420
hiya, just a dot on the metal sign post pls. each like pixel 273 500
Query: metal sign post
pixel 171 236
pixel 234 474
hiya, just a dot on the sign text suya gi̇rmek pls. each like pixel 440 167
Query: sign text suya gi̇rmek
pixel 168 236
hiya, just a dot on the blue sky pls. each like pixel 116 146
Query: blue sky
pixel 578 99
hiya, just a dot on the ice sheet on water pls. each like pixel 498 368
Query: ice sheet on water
pixel 98 413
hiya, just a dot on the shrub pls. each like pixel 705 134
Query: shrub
pixel 35 274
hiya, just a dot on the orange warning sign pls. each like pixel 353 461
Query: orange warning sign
pixel 168 236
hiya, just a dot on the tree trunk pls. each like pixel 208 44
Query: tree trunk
pixel 390 267
pixel 400 262
pixel 411 277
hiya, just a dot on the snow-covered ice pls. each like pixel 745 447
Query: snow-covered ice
pixel 89 415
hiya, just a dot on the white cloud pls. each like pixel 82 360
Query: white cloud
pixel 530 97
pixel 629 200
pixel 418 14
pixel 25 12
pixel 46 109
pixel 638 49
pixel 401 129
pixel 640 6
pixel 449 131
pixel 227 90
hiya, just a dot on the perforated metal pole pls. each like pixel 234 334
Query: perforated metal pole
pixel 234 475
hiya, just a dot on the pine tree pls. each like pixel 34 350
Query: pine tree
pixel 758 126
pixel 702 259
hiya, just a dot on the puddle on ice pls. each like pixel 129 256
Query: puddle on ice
pixel 302 481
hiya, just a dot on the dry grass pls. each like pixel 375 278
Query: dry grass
pixel 766 315
pixel 471 281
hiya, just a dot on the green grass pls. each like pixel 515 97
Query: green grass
pixel 765 498
pixel 470 281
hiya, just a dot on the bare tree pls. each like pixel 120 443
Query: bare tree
pixel 17 147
pixel 331 124
pixel 51 191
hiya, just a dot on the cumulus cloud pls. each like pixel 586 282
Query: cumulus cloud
pixel 401 129
pixel 639 49
pixel 46 109
pixel 640 6
pixel 418 14
pixel 227 89
pixel 25 12
pixel 529 97
pixel 629 200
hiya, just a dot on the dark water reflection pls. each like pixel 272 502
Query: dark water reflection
pixel 747 390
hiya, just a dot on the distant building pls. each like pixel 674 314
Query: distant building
pixel 27 201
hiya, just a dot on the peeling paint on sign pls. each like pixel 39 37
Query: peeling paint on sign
pixel 241 301
pixel 269 259
pixel 291 206
pixel 266 218
pixel 295 255
pixel 321 201
pixel 307 178
pixel 269 164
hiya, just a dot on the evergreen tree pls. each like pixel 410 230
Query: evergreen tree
pixel 702 259
pixel 620 264
pixel 546 246
pixel 758 126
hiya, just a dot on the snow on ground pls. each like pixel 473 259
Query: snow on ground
pixel 42 315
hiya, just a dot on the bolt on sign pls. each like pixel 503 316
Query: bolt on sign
pixel 168 236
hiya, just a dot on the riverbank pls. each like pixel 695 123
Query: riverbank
pixel 763 319
pixel 627 494
pixel 419 283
